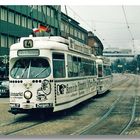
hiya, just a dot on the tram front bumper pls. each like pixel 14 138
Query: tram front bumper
pixel 29 111
pixel 16 108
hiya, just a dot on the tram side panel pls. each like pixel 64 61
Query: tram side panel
pixel 70 87
pixel 68 93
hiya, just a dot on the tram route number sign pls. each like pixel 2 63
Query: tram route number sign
pixel 28 43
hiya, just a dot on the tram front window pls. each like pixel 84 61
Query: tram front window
pixel 25 68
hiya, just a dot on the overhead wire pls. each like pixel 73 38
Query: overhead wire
pixel 128 27
pixel 96 32
pixel 93 30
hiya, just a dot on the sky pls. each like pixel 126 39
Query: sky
pixel 117 26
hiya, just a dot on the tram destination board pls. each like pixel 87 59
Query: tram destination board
pixel 32 52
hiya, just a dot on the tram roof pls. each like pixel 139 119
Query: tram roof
pixel 52 42
pixel 42 42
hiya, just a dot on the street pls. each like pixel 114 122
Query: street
pixel 114 113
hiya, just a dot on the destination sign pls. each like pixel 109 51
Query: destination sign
pixel 34 52
pixel 79 47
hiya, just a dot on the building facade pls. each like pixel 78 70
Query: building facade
pixel 71 28
pixel 18 21
pixel 95 43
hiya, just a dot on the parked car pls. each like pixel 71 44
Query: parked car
pixel 4 88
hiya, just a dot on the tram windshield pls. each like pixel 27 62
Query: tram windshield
pixel 25 68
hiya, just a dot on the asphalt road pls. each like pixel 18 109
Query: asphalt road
pixel 97 116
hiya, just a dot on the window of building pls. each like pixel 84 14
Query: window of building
pixel 71 30
pixel 3 14
pixel 75 33
pixel 39 8
pixel 48 11
pixel 66 28
pixel 58 65
pixel 62 26
pixel 35 6
pixel 3 41
pixel 44 10
pixel 24 21
pixel 10 41
pixel 52 13
pixel 17 19
pixel 78 34
pixel 35 24
pixel 82 36
pixel 11 17
pixel 29 23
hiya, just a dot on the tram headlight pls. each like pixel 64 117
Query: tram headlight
pixel 28 94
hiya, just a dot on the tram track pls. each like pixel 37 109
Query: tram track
pixel 19 126
pixel 103 118
pixel 14 132
pixel 18 120
pixel 21 129
pixel 119 82
pixel 135 113
pixel 14 127
pixel 24 122
pixel 131 120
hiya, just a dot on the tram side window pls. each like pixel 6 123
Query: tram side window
pixel 73 66
pixel 93 68
pixel 88 67
pixel 80 66
pixel 70 66
pixel 58 65
pixel 107 71
pixel 100 74
pixel 85 66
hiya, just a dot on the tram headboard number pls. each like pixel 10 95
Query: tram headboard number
pixel 28 43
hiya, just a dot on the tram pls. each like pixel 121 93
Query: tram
pixel 104 74
pixel 50 73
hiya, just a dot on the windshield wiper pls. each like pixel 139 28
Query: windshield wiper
pixel 29 69
pixel 24 72
pixel 16 72
pixel 40 72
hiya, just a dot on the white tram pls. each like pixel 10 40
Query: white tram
pixel 50 73
pixel 104 74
